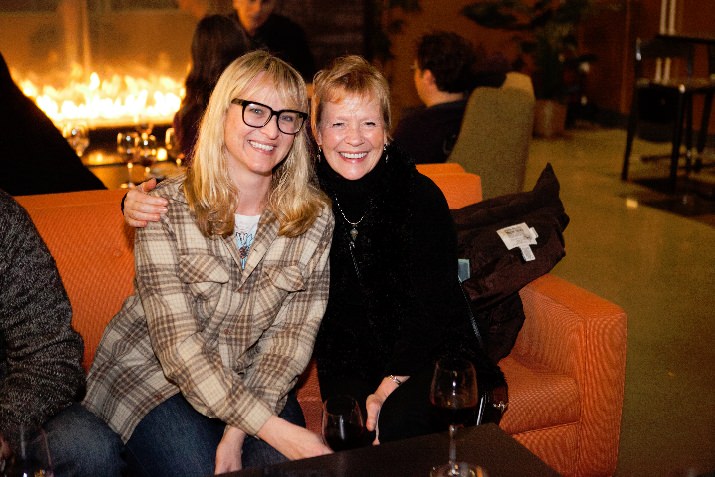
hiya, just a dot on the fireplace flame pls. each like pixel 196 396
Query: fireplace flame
pixel 111 101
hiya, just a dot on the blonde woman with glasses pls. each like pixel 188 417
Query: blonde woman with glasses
pixel 196 372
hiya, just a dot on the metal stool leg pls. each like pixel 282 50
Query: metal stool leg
pixel 677 138
pixel 632 124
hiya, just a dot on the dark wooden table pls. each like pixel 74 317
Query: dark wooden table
pixel 488 446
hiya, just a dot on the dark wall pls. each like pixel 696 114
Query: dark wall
pixel 334 28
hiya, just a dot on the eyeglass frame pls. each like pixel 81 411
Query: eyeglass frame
pixel 244 102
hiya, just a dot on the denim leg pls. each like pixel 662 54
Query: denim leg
pixel 192 449
pixel 174 439
pixel 257 453
pixel 82 444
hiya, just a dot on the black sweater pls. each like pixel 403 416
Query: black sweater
pixel 395 303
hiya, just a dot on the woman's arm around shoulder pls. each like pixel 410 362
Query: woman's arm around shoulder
pixel 140 208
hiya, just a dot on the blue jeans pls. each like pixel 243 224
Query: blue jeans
pixel 82 444
pixel 175 439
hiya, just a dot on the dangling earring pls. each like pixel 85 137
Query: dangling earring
pixel 387 156
pixel 320 152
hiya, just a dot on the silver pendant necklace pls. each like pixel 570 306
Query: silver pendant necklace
pixel 353 230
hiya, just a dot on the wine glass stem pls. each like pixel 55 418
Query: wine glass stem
pixel 452 448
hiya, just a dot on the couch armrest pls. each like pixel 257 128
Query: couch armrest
pixel 574 332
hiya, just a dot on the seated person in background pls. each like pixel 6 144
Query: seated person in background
pixel 445 72
pixel 196 372
pixel 215 44
pixel 41 376
pixel 34 157
pixel 276 33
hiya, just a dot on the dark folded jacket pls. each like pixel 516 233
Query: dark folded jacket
pixel 497 274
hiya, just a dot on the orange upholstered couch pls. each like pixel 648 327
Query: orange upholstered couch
pixel 565 374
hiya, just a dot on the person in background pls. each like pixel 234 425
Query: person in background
pixel 276 33
pixel 445 72
pixel 41 376
pixel 215 44
pixel 196 372
pixel 34 157
pixel 395 303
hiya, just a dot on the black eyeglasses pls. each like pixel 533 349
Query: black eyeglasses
pixel 258 115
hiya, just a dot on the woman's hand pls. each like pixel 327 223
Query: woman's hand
pixel 292 441
pixel 374 403
pixel 228 452
pixel 141 208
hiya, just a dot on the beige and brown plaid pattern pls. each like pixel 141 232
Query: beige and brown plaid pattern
pixel 232 341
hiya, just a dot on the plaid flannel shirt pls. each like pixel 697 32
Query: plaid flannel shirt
pixel 232 341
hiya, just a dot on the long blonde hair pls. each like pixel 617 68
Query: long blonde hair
pixel 294 197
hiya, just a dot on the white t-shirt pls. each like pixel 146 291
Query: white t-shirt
pixel 243 232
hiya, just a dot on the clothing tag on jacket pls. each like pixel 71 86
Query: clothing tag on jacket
pixel 519 235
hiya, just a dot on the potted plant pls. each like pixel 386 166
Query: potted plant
pixel 546 33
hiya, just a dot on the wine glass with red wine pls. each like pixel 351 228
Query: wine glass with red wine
pixel 343 426
pixel 32 456
pixel 453 393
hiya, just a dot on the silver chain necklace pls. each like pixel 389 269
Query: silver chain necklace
pixel 353 230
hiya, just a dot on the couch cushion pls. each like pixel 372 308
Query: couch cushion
pixel 538 398
pixel 86 235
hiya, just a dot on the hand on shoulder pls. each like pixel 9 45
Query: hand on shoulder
pixel 140 208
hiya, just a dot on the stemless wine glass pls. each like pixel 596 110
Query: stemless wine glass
pixel 77 135
pixel 32 458
pixel 126 148
pixel 343 426
pixel 453 393
pixel 146 153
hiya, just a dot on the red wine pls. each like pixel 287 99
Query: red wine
pixel 24 467
pixel 345 436
pixel 147 161
pixel 445 416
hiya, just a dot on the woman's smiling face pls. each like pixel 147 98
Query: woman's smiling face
pixel 352 135
pixel 256 151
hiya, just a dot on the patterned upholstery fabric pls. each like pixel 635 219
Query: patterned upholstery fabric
pixel 94 251
pixel 566 373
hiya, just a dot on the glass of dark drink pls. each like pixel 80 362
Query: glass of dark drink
pixel 146 153
pixel 453 393
pixel 343 426
pixel 32 457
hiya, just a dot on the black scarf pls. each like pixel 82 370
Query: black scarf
pixel 368 297
pixel 371 293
